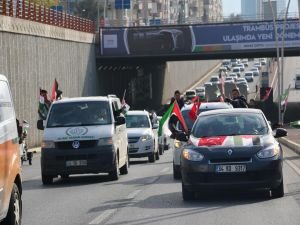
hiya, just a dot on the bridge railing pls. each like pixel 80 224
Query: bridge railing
pixel 29 10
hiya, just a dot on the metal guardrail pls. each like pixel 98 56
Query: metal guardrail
pixel 29 10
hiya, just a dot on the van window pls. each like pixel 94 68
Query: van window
pixel 298 78
pixel 6 106
pixel 79 114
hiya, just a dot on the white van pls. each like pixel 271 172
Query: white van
pixel 10 161
pixel 84 135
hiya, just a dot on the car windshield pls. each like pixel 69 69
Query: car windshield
pixel 230 125
pixel 137 121
pixel 190 93
pixel 89 113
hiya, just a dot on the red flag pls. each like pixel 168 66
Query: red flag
pixel 194 111
pixel 177 112
pixel 54 90
pixel 267 94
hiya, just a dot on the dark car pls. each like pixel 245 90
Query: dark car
pixel 232 149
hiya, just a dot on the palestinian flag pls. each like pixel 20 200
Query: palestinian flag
pixel 284 99
pixel 54 91
pixel 173 109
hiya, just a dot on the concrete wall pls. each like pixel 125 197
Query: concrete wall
pixel 33 54
pixel 182 75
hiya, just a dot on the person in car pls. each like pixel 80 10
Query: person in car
pixel 238 100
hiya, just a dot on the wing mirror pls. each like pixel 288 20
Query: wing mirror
pixel 40 124
pixel 280 132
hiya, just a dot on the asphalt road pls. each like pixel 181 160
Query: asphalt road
pixel 149 195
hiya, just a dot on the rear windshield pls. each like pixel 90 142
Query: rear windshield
pixel 230 125
pixel 236 70
pixel 79 114
pixel 214 79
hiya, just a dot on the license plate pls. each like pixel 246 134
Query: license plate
pixel 76 163
pixel 230 168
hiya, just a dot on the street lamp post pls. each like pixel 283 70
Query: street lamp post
pixel 278 64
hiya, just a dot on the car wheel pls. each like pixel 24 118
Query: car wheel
pixel 14 214
pixel 47 180
pixel 124 169
pixel 278 192
pixel 152 157
pixel 114 175
pixel 176 172
pixel 186 194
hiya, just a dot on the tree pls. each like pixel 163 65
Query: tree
pixel 234 18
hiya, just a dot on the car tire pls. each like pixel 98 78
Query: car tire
pixel 114 175
pixel 187 195
pixel 176 173
pixel 278 192
pixel 14 213
pixel 124 169
pixel 152 157
pixel 47 180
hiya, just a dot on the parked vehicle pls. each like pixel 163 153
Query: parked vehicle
pixel 232 149
pixel 10 163
pixel 297 81
pixel 142 135
pixel 179 145
pixel 84 135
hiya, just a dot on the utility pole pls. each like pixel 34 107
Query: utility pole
pixel 278 64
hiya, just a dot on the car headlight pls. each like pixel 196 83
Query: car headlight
pixel 48 144
pixel 268 152
pixel 146 137
pixel 105 141
pixel 177 143
pixel 192 155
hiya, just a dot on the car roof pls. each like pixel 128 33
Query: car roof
pixel 230 111
pixel 208 105
pixel 82 99
pixel 137 112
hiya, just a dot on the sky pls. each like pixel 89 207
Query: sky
pixel 234 6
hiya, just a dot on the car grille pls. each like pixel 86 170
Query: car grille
pixel 231 160
pixel 133 150
pixel 83 144
pixel 132 140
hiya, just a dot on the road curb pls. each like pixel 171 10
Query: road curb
pixel 292 145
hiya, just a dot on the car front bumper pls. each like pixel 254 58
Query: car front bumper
pixel 265 174
pixel 141 149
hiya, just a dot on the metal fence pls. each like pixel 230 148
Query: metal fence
pixel 29 10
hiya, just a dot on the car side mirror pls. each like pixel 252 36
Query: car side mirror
pixel 120 120
pixel 280 132
pixel 40 124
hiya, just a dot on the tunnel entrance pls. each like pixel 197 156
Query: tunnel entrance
pixel 142 83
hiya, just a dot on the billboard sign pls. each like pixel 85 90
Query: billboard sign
pixel 200 38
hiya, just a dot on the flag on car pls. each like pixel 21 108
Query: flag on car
pixel 43 107
pixel 173 109
pixel 125 106
pixel 54 91
pixel 284 99
pixel 195 109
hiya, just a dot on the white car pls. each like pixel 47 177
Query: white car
pixel 245 62
pixel 258 65
pixel 255 71
pixel 237 70
pixel 200 91
pixel 207 84
pixel 142 135
pixel 241 65
pixel 263 61
pixel 234 76
pixel 229 80
pixel 249 76
pixel 190 94
pixel 215 80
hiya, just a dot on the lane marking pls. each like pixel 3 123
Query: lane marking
pixel 133 194
pixel 294 167
pixel 165 170
pixel 102 216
